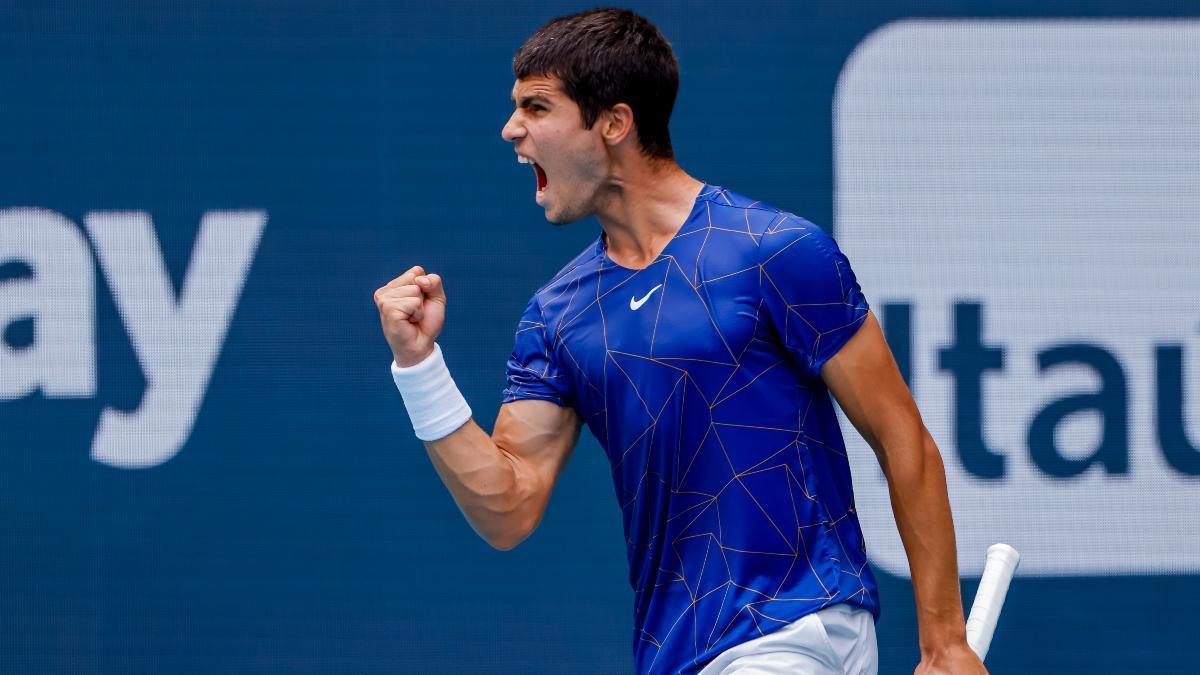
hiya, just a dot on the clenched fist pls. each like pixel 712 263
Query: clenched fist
pixel 412 309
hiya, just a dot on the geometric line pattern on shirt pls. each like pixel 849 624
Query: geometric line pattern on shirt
pixel 701 542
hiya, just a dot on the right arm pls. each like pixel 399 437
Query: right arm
pixel 501 482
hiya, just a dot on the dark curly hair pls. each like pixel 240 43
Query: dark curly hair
pixel 604 57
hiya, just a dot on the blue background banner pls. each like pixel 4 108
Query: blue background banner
pixel 297 525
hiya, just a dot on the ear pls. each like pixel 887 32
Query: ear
pixel 616 124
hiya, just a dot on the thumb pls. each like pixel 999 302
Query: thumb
pixel 434 305
pixel 431 285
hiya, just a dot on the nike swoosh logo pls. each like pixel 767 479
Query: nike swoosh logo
pixel 636 304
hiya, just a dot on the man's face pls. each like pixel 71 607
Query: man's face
pixel 569 161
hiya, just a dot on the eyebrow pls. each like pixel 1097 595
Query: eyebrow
pixel 526 101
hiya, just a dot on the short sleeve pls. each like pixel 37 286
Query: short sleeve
pixel 533 369
pixel 810 294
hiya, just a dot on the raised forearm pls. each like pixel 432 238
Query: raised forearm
pixel 492 488
pixel 917 484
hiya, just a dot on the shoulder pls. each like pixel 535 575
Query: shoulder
pixel 772 228
pixel 546 298
pixel 802 263
pixel 728 208
pixel 794 237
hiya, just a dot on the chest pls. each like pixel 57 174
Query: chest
pixel 657 323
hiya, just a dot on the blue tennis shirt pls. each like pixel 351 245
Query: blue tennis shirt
pixel 700 377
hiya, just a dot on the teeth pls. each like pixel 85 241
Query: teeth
pixel 524 160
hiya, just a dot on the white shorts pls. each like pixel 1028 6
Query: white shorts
pixel 838 640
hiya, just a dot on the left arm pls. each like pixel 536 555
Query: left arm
pixel 866 382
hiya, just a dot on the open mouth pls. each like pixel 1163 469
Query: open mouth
pixel 537 170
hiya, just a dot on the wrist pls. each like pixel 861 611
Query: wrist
pixel 435 406
pixel 941 639
pixel 410 359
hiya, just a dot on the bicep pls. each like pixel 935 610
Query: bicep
pixel 867 384
pixel 539 435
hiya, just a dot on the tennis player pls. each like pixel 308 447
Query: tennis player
pixel 699 338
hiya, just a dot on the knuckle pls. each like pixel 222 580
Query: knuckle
pixel 394 295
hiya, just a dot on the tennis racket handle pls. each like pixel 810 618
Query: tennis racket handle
pixel 1002 561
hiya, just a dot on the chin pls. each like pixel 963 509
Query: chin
pixel 561 215
pixel 558 218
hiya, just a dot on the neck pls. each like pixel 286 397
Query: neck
pixel 647 203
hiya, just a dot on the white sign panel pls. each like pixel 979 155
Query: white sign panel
pixel 1021 203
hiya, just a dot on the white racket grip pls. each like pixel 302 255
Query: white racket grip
pixel 1002 561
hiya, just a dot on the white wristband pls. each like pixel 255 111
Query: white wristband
pixel 435 406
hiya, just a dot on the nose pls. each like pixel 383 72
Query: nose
pixel 513 131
